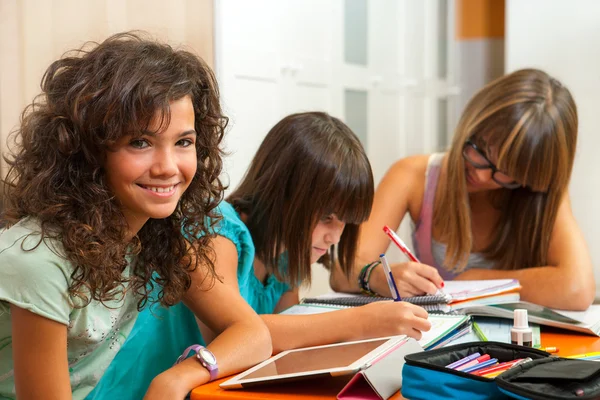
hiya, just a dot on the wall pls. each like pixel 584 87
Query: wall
pixel 480 45
pixel 34 33
pixel 564 40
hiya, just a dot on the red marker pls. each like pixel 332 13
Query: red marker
pixel 476 361
pixel 396 239
pixel 500 367
pixel 398 242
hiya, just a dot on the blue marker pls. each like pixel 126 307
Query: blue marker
pixel 484 364
pixel 390 278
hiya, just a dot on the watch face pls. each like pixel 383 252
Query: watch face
pixel 207 356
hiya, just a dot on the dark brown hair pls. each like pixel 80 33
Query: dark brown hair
pixel 90 98
pixel 531 119
pixel 308 166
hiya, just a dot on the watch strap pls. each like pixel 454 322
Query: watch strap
pixel 212 369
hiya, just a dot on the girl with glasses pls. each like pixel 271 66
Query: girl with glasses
pixel 496 205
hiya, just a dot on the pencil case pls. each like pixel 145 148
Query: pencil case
pixel 425 376
pixel 552 378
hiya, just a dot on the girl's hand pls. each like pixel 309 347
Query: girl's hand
pixel 412 279
pixel 388 318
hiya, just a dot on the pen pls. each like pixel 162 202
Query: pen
pixel 396 239
pixel 404 248
pixel 390 278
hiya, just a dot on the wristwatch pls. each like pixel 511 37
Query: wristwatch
pixel 204 356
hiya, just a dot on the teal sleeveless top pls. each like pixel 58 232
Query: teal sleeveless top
pixel 262 297
pixel 161 334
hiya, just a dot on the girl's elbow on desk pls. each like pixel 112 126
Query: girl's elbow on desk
pixel 579 296
pixel 570 294
pixel 257 336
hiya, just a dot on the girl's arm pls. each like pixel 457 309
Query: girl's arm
pixel 242 339
pixel 39 356
pixel 293 331
pixel 567 282
pixel 400 191
pixel 382 318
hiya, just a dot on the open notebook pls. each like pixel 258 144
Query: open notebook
pixel 456 295
pixel 444 328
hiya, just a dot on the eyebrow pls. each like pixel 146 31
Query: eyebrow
pixel 182 134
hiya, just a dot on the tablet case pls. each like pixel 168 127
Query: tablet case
pixel 383 377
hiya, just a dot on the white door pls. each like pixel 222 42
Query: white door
pixel 273 58
pixel 374 64
pixel 248 67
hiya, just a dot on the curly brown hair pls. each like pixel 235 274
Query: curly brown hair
pixel 90 98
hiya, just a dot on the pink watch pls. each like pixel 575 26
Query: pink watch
pixel 204 356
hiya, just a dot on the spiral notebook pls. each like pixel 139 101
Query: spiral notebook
pixel 456 295
pixel 444 328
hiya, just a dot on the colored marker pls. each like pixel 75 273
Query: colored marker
pixel 404 248
pixel 463 360
pixel 496 373
pixel 490 362
pixel 492 375
pixel 500 367
pixel 471 363
pixel 396 239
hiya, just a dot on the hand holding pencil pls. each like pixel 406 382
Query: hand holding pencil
pixel 411 278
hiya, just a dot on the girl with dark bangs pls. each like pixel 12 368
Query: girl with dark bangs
pixel 496 205
pixel 117 154
pixel 303 197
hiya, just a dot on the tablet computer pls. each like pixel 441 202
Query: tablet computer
pixel 318 361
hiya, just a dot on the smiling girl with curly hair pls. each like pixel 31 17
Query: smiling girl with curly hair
pixel 114 157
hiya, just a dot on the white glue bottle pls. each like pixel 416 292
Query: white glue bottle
pixel 521 333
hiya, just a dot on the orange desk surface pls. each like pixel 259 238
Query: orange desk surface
pixel 568 344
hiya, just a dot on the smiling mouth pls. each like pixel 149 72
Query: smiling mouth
pixel 159 189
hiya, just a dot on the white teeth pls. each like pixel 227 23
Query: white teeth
pixel 160 189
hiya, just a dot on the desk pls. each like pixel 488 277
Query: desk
pixel 568 344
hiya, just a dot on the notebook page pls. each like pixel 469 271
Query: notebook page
pixel 441 325
pixel 463 290
pixel 589 316
pixel 304 309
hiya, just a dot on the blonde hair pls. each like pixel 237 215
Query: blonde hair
pixel 531 119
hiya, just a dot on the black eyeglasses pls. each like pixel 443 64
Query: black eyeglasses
pixel 479 160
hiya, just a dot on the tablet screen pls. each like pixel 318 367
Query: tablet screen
pixel 316 359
